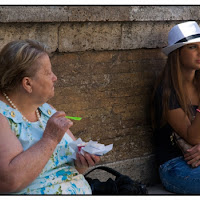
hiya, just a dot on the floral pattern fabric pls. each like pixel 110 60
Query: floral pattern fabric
pixel 59 175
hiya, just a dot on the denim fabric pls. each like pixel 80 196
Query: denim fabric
pixel 178 177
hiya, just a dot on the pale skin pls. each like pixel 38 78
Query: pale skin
pixel 190 62
pixel 18 167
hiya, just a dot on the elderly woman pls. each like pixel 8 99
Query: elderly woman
pixel 34 150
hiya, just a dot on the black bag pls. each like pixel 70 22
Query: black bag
pixel 122 185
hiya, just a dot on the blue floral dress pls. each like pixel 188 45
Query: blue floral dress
pixel 59 175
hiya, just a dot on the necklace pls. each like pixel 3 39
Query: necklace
pixel 24 118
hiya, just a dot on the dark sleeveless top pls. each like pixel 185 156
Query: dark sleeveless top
pixel 166 149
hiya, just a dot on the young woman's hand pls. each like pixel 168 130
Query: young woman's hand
pixel 82 163
pixel 192 156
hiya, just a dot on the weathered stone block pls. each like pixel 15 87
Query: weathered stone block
pixel 138 35
pixel 144 35
pixel 100 13
pixel 89 36
pixel 34 14
pixel 164 13
pixel 46 33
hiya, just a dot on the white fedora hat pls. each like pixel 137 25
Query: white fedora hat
pixel 182 34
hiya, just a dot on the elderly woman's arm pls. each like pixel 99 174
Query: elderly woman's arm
pixel 82 163
pixel 19 168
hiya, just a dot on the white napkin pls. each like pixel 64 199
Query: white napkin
pixel 92 147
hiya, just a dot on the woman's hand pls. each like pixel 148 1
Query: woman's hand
pixel 56 126
pixel 192 156
pixel 82 163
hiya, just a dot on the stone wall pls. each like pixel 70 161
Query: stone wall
pixel 106 59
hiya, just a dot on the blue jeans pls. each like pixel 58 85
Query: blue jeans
pixel 178 177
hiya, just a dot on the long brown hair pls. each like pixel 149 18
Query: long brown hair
pixel 171 79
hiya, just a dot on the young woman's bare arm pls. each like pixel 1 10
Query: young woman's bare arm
pixel 182 125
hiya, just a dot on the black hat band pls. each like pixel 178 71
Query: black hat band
pixel 188 38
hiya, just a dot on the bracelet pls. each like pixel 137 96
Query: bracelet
pixel 198 110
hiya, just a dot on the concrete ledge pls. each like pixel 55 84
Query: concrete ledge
pixel 158 189
pixel 140 169
pixel 97 13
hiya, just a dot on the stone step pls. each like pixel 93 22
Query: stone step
pixel 158 189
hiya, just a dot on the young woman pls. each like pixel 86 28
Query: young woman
pixel 176 109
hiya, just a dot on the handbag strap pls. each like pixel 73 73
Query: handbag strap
pixel 107 169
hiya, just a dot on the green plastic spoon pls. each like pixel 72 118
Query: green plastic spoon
pixel 74 118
